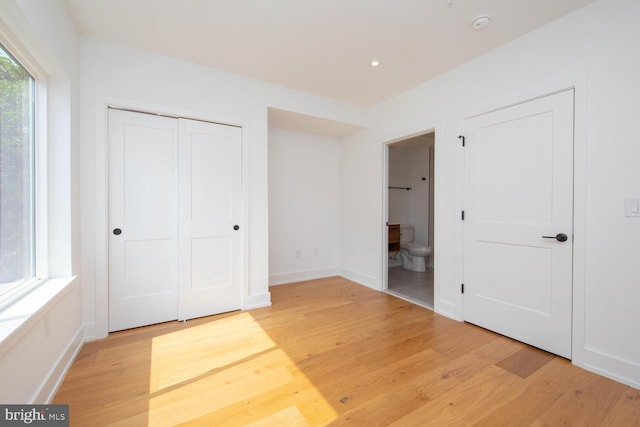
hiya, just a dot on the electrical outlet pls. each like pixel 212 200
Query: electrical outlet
pixel 632 207
pixel 298 253
pixel 316 251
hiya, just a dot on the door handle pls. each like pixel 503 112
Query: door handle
pixel 560 237
pixel 236 227
pixel 117 231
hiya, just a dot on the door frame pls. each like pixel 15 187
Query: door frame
pixel 103 103
pixel 385 209
pixel 577 82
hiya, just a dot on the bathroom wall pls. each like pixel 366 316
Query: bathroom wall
pixel 304 197
pixel 419 214
pixel 408 163
pixel 399 176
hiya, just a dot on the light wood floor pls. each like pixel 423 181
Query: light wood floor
pixel 330 352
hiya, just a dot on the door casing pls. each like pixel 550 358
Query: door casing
pixel 577 81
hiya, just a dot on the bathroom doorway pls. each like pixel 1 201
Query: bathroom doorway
pixel 410 214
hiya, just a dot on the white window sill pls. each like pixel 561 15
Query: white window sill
pixel 17 317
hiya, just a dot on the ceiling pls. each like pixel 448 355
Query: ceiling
pixel 323 47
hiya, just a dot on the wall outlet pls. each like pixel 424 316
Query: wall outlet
pixel 632 207
pixel 316 251
pixel 298 253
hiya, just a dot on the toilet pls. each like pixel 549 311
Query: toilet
pixel 413 256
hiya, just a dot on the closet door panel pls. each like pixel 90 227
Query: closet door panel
pixel 143 219
pixel 210 208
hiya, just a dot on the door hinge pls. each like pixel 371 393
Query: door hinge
pixel 462 288
pixel 463 139
pixel 462 215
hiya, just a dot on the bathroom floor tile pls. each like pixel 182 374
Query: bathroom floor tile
pixel 412 284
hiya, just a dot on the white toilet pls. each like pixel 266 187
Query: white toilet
pixel 413 256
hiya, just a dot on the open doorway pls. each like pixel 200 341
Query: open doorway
pixel 410 213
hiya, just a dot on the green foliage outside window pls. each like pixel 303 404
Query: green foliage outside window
pixel 16 172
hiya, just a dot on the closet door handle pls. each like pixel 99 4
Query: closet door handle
pixel 117 231
pixel 560 237
pixel 236 227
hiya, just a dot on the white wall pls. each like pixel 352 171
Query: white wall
pixel 136 79
pixel 399 176
pixel 46 334
pixel 407 167
pixel 304 196
pixel 594 49
pixel 361 223
pixel 419 168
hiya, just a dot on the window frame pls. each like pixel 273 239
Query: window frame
pixel 39 161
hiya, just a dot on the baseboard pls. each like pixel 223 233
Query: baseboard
pixel 57 373
pixel 257 301
pixel 446 309
pixel 300 276
pixel 90 332
pixel 361 279
pixel 623 371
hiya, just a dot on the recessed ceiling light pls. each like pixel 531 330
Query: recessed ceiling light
pixel 480 22
pixel 375 62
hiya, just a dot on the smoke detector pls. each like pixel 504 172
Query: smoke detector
pixel 480 22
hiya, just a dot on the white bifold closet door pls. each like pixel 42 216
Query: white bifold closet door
pixel 174 217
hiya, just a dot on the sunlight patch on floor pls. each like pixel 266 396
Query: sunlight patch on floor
pixel 237 359
pixel 290 417
pixel 211 346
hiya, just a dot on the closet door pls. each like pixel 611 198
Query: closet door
pixel 174 216
pixel 143 219
pixel 210 210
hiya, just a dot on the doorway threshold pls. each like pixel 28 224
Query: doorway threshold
pixel 409 299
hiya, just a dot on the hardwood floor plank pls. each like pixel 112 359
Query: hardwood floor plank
pixel 586 401
pixel 290 416
pixel 382 409
pixel 331 352
pixel 464 404
pixel 627 410
pixel 543 388
pixel 526 361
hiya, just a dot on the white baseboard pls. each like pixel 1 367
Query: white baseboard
pixel 300 276
pixel 623 371
pixel 90 332
pixel 361 279
pixel 57 373
pixel 446 309
pixel 257 301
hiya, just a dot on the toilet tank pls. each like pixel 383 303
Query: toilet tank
pixel 406 234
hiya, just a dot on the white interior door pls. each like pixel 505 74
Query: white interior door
pixel 174 215
pixel 210 214
pixel 519 189
pixel 143 219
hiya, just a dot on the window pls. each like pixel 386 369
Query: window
pixel 17 175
